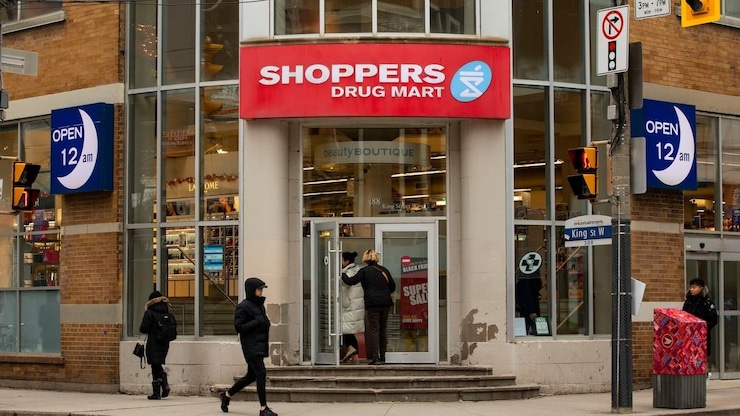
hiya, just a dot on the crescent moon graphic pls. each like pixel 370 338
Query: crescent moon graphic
pixel 87 157
pixel 679 169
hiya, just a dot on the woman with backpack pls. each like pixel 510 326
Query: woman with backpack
pixel 158 324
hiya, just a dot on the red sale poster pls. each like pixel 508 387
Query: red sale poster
pixel 414 292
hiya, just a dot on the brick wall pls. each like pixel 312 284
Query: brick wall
pixel 702 58
pixel 83 51
pixel 658 261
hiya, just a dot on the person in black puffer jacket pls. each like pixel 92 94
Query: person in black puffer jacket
pixel 156 349
pixel 253 326
pixel 378 284
pixel 699 304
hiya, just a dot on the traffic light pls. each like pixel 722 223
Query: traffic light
pixel 697 12
pixel 24 174
pixel 585 161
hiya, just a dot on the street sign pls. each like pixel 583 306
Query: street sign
pixel 588 230
pixel 652 8
pixel 612 47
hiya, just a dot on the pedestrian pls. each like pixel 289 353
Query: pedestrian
pixel 253 326
pixel 353 309
pixel 699 304
pixel 157 346
pixel 378 284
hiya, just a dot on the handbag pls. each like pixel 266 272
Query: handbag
pixel 140 352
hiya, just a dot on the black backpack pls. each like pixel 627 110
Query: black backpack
pixel 166 330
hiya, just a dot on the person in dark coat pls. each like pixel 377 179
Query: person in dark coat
pixel 156 350
pixel 699 304
pixel 253 326
pixel 378 284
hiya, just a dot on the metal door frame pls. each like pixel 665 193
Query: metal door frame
pixel 332 264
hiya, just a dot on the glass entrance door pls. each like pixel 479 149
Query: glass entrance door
pixel 409 252
pixel 326 254
pixel 729 318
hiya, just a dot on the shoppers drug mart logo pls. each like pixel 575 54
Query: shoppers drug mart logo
pixel 471 81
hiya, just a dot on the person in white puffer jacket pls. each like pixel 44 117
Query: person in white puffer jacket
pixel 353 309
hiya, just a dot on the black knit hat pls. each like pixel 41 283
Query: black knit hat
pixel 155 294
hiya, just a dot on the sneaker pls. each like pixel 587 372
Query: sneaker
pixel 267 412
pixel 224 402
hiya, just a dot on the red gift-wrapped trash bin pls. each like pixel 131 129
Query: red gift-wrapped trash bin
pixel 679 359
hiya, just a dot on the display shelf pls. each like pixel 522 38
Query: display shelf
pixel 218 277
pixel 41 261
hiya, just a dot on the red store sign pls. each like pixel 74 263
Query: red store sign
pixel 374 80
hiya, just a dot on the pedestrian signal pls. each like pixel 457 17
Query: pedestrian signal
pixel 24 175
pixel 585 161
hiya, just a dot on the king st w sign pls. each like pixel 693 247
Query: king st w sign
pixel 588 230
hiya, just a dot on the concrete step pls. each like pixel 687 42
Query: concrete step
pixel 390 382
pixel 369 395
pixel 362 383
pixel 364 370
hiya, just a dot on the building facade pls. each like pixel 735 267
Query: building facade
pixel 264 138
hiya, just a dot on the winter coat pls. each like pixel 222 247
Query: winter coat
pixel 702 307
pixel 251 322
pixel 353 304
pixel 377 289
pixel 156 350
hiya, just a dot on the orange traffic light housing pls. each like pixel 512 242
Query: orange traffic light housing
pixel 24 175
pixel 697 12
pixel 585 161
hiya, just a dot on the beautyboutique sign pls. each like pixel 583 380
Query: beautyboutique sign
pixel 374 80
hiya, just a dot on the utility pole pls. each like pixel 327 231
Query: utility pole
pixel 619 148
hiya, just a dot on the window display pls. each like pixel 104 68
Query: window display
pixel 373 172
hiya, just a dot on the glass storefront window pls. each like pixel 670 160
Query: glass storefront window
pixel 142 270
pixel 220 151
pixel 569 133
pixel 571 288
pixel 178 42
pixel 40 325
pixel 731 8
pixel 220 41
pixel 348 16
pixel 294 17
pixel 699 205
pixel 530 153
pixel 730 142
pixel 452 16
pixel 29 295
pixel 530 40
pixel 374 172
pixel 568 40
pixel 188 254
pixel 594 6
pixel 401 16
pixel 178 151
pixel 142 143
pixel 143 48
pixel 531 247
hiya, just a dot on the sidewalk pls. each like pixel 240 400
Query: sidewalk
pixel 722 399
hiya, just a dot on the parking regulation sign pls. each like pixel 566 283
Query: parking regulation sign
pixel 612 47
